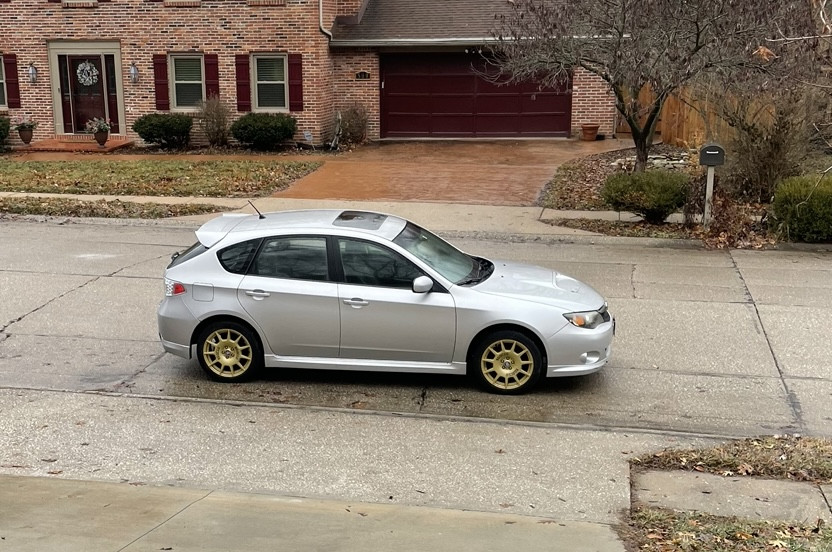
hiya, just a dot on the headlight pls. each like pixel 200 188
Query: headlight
pixel 588 320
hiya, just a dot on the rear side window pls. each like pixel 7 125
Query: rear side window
pixel 296 257
pixel 193 251
pixel 236 258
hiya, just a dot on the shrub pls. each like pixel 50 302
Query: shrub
pixel 802 209
pixel 5 126
pixel 653 195
pixel 214 116
pixel 354 125
pixel 264 131
pixel 769 142
pixel 168 130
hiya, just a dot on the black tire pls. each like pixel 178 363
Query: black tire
pixel 506 362
pixel 229 351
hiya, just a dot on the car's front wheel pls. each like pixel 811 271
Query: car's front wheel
pixel 506 362
pixel 229 351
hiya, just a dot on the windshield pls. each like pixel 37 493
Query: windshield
pixel 444 258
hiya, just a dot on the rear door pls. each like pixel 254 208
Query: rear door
pixel 289 292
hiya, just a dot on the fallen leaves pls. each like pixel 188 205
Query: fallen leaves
pixel 61 207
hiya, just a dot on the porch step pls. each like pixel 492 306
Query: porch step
pixel 76 142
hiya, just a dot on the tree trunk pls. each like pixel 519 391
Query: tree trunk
pixel 642 149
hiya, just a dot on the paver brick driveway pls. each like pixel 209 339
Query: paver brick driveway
pixel 481 172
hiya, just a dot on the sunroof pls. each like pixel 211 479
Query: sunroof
pixel 360 219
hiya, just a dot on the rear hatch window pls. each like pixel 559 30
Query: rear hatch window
pixel 193 251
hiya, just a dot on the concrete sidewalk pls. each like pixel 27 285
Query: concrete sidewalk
pixel 439 217
pixel 38 514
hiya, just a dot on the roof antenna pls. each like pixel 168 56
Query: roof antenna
pixel 261 215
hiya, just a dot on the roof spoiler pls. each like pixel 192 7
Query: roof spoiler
pixel 210 233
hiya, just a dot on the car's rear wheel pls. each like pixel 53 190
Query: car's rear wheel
pixel 229 351
pixel 506 362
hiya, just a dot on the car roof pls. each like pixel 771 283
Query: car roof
pixel 312 220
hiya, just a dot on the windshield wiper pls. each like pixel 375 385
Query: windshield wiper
pixel 484 269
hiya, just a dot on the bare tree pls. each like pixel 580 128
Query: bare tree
pixel 660 44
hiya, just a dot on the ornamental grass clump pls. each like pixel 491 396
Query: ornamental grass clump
pixel 653 195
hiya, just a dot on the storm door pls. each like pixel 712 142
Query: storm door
pixel 88 90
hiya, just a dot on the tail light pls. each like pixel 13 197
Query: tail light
pixel 173 288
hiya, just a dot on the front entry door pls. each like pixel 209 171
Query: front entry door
pixel 87 89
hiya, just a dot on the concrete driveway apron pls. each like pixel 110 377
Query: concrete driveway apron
pixel 504 172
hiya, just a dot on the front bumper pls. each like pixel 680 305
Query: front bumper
pixel 577 351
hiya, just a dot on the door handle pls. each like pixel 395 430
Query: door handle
pixel 257 293
pixel 356 302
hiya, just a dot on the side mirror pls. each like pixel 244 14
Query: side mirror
pixel 422 284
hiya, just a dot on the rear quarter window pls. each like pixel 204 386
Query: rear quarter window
pixel 236 258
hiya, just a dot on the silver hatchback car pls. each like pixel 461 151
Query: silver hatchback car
pixel 351 290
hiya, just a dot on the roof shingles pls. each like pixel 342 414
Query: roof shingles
pixel 403 21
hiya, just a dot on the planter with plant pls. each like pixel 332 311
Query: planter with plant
pixel 100 129
pixel 25 128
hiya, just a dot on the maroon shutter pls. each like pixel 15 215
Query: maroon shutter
pixel 243 71
pixel 160 78
pixel 212 76
pixel 295 82
pixel 12 84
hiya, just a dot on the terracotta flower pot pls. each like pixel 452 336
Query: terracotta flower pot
pixel 589 132
pixel 26 135
pixel 101 138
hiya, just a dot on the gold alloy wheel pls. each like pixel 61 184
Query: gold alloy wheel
pixel 227 353
pixel 507 364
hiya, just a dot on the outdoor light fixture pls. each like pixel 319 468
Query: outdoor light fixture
pixel 33 73
pixel 133 72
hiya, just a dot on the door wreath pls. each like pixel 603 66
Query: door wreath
pixel 87 73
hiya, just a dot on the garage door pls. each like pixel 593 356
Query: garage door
pixel 441 95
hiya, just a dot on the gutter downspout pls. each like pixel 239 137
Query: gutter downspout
pixel 321 19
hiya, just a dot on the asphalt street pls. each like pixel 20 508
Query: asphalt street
pixel 710 344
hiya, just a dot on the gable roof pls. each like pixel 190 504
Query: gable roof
pixel 419 22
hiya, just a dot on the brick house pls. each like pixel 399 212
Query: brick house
pixel 411 63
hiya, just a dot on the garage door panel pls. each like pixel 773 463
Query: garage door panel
pixel 453 125
pixel 453 104
pixel 394 84
pixel 409 103
pixel 443 95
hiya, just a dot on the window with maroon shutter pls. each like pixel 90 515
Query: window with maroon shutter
pixel 295 82
pixel 242 71
pixel 12 86
pixel 187 73
pixel 160 78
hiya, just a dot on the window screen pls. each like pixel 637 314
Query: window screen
pixel 187 81
pixel 270 76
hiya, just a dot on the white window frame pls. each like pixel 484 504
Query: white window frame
pixel 174 106
pixel 255 100
pixel 4 105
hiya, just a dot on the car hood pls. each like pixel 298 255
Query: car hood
pixel 541 285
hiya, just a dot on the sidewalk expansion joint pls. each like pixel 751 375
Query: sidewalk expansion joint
pixel 791 398
pixel 140 537
pixel 825 498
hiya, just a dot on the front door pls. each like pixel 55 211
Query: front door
pixel 381 317
pixel 88 91
pixel 87 88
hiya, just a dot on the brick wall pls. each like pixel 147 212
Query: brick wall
pixel 146 27
pixel 349 7
pixel 351 92
pixel 592 102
